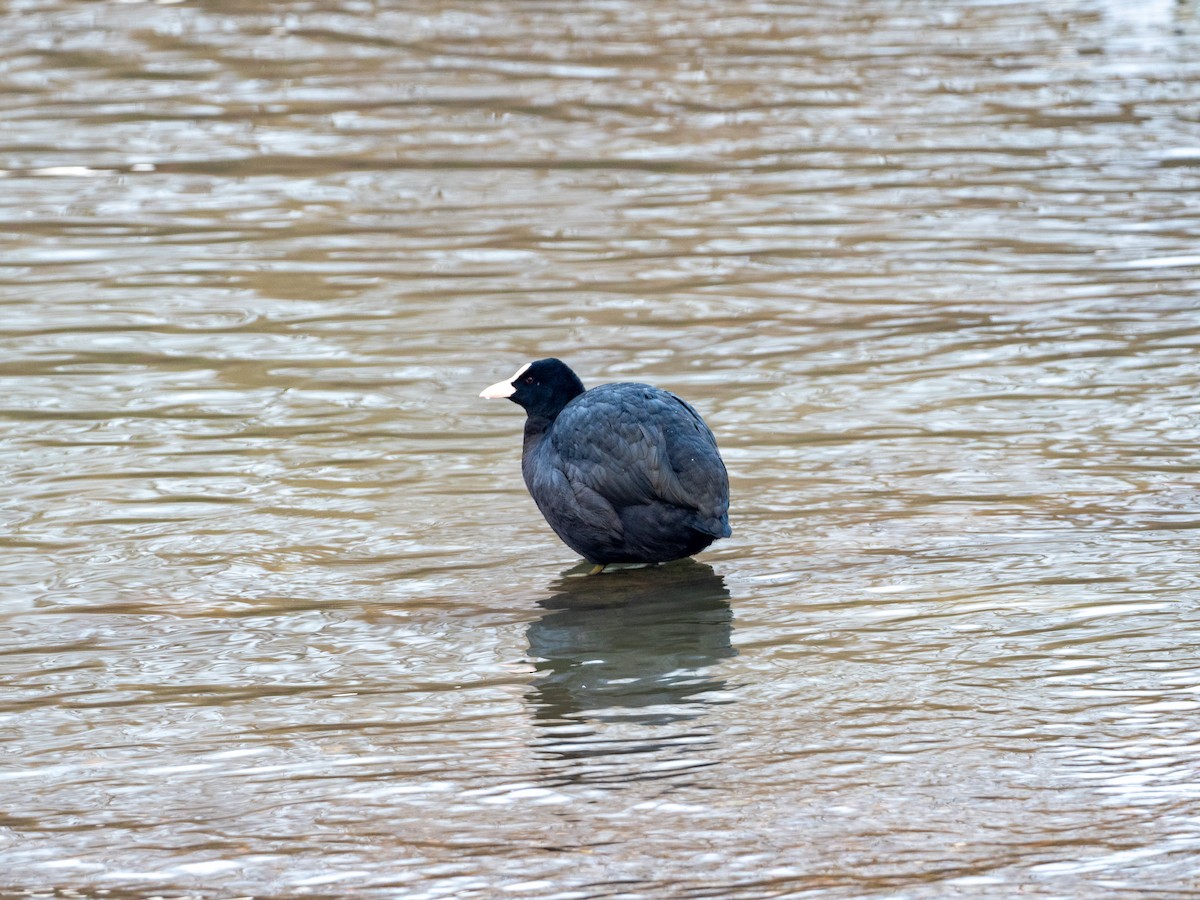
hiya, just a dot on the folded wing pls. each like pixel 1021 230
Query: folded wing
pixel 633 444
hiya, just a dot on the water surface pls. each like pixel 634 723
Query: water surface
pixel 279 618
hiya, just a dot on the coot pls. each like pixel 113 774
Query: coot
pixel 624 472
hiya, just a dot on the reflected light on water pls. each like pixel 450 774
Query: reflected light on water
pixel 279 617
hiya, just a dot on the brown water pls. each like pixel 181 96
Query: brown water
pixel 278 616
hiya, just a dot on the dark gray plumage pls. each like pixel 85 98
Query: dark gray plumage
pixel 624 472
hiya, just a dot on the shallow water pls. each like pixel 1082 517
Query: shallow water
pixel 279 618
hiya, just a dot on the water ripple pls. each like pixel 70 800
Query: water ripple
pixel 279 615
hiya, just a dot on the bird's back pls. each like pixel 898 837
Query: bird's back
pixel 645 453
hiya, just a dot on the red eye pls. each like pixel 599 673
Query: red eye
pixel 529 379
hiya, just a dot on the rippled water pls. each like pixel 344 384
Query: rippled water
pixel 279 617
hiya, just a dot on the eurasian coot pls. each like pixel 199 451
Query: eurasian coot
pixel 624 472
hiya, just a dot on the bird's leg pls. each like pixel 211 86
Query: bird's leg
pixel 597 569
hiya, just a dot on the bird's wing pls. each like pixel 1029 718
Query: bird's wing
pixel 634 444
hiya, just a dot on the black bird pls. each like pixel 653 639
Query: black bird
pixel 624 472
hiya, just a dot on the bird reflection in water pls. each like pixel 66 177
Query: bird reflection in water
pixel 622 664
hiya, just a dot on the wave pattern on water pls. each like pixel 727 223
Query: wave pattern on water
pixel 279 615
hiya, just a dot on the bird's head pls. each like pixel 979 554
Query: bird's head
pixel 542 388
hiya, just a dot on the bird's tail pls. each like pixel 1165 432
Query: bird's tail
pixel 718 527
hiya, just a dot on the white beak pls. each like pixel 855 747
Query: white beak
pixel 499 391
pixel 502 390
